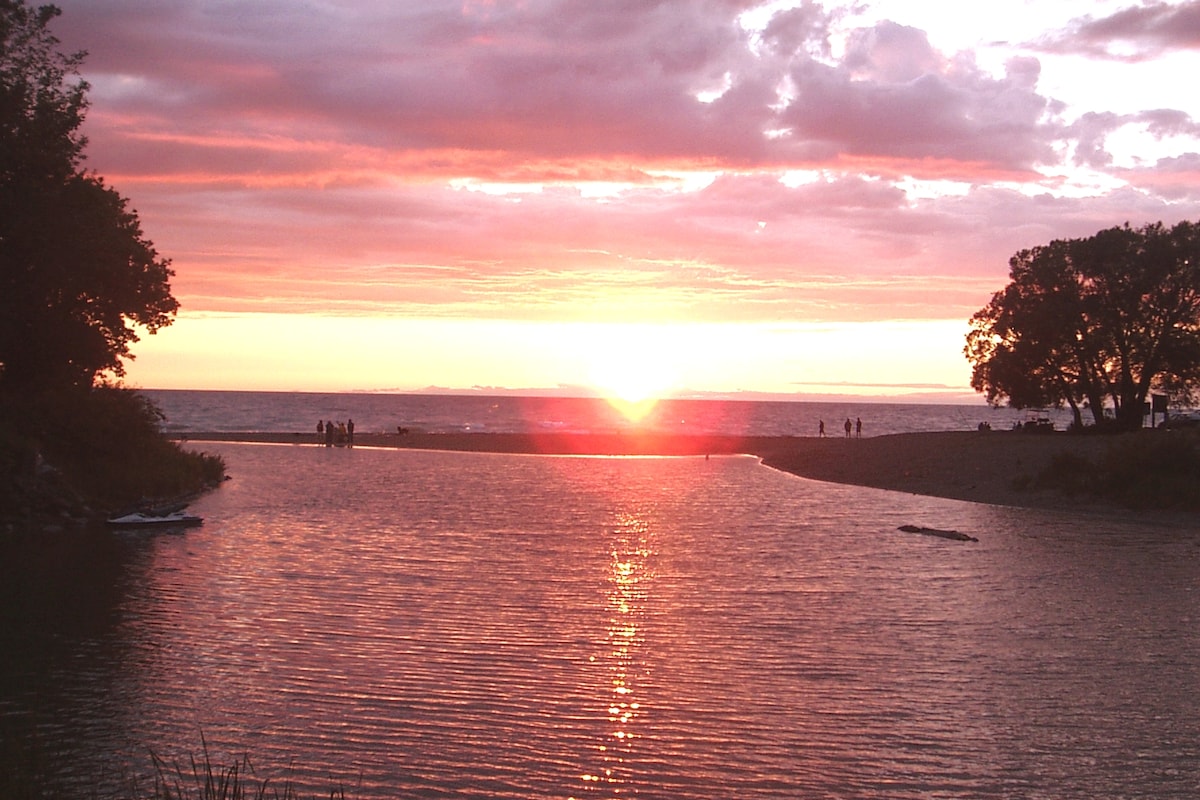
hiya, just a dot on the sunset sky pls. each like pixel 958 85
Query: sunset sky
pixel 707 195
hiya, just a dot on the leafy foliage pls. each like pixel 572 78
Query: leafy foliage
pixel 77 276
pixel 1094 323
pixel 102 445
pixel 77 279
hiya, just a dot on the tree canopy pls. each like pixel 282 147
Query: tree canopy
pixel 77 276
pixel 1095 323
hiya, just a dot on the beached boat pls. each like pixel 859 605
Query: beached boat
pixel 142 519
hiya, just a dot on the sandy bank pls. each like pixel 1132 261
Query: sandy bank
pixel 982 467
pixel 967 465
pixel 615 444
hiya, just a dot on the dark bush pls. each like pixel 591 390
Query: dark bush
pixel 1069 473
pixel 104 444
pixel 1147 470
pixel 1153 471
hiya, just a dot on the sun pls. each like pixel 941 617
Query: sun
pixel 632 383
pixel 632 379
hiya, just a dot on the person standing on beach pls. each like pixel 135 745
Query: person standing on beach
pixel 329 433
pixel 858 427
pixel 350 432
pixel 821 429
pixel 848 426
pixel 320 430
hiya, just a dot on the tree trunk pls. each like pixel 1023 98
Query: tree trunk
pixel 1076 413
pixel 1131 413
pixel 1096 403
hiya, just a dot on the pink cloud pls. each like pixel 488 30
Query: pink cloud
pixel 549 82
pixel 1132 34
pixel 299 157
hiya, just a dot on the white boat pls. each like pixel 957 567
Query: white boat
pixel 140 519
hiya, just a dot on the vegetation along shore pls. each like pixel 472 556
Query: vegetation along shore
pixel 79 282
pixel 69 457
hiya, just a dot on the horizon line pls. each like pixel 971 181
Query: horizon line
pixel 930 396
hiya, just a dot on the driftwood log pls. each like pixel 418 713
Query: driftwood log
pixel 955 535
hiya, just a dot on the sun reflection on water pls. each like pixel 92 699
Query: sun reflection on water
pixel 627 593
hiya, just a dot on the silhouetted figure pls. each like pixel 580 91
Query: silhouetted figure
pixel 821 429
pixel 350 432
pixel 320 430
pixel 858 427
pixel 848 426
pixel 329 433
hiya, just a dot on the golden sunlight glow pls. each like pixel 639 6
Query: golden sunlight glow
pixel 633 364
pixel 632 369
pixel 628 596
pixel 631 388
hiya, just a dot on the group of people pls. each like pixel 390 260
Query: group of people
pixel 331 433
pixel 855 427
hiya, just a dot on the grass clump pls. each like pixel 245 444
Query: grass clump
pixel 1069 473
pixel 23 776
pixel 1155 471
pixel 234 782
pixel 1146 470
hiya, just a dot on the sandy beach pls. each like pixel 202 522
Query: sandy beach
pixel 977 466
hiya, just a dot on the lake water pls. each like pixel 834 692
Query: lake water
pixel 191 411
pixel 410 624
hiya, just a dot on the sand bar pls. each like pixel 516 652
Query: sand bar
pixel 978 466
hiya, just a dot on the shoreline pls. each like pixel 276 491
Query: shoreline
pixel 548 444
pixel 974 466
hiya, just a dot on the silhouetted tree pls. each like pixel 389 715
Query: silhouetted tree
pixel 76 273
pixel 1094 323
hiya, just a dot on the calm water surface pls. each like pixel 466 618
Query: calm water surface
pixel 189 411
pixel 417 624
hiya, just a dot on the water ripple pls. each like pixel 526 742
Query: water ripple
pixel 412 624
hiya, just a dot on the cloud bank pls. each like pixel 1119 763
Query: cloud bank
pixel 702 160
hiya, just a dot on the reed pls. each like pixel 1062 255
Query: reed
pixel 23 776
pixel 204 781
